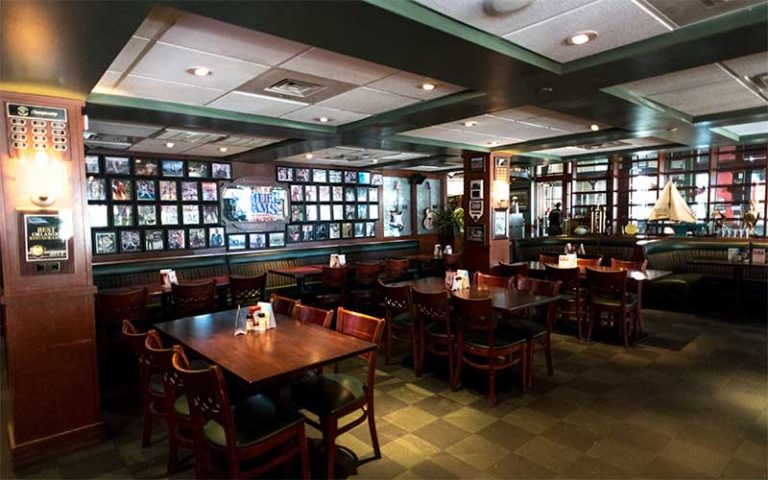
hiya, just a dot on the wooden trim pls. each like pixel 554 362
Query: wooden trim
pixel 26 453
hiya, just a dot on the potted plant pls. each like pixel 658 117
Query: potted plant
pixel 449 221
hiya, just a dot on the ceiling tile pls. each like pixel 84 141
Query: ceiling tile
pixel 153 89
pixel 256 104
pixel 129 53
pixel 627 143
pixel 220 38
pixel 125 129
pixel 367 100
pixel 755 128
pixel 168 62
pixel 337 67
pixel 683 79
pixel 409 85
pixel 617 22
pixel 685 12
pixel 312 113
pixel 712 98
pixel 107 83
pixel 150 145
pixel 458 136
pixel 750 65
pixel 211 150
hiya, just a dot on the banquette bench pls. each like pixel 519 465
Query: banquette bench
pixel 621 247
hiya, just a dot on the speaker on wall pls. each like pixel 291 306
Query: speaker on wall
pixel 417 179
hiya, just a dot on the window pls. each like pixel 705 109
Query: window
pixel 590 186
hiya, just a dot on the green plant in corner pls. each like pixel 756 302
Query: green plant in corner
pixel 449 220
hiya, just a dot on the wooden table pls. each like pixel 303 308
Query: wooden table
pixel 257 358
pixel 299 274
pixel 647 275
pixel 737 269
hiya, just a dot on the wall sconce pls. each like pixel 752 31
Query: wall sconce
pixel 44 178
pixel 500 194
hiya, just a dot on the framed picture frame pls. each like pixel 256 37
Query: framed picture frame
pixel 173 168
pixel 324 193
pixel 350 176
pixel 284 174
pixel 276 239
pixel 319 175
pixel 377 179
pixel 209 191
pixel 98 215
pixel 476 233
pixel 216 237
pixel 477 164
pixel 168 190
pixel 476 189
pixel 334 231
pixel 146 215
pixel 310 193
pixel 96 189
pixel 210 214
pixel 104 242
pixel 301 175
pixel 257 241
pixel 236 241
pixel 347 231
pixel 308 232
pixel 221 171
pixel 293 233
pixel 297 193
pixel 321 232
pixel 500 224
pixel 120 189
pixel 189 192
pixel 143 167
pixel 337 194
pixel 335 176
pixel 198 169
pixel 154 240
pixel 92 165
pixel 364 178
pixel 169 214
pixel 130 241
pixel 190 215
pixel 122 215
pixel 177 239
pixel 117 165
pixel 146 191
pixel 196 237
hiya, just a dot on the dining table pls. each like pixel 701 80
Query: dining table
pixel 299 274
pixel 258 358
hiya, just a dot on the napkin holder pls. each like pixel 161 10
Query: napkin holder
pixel 266 309
pixel 460 280
pixel 567 261
pixel 337 260
pixel 758 255
pixel 168 277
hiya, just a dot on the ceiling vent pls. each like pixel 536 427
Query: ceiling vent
pixel 174 135
pixel 112 142
pixel 760 80
pixel 242 142
pixel 294 88
pixel 604 145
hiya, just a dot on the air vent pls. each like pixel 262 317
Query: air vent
pixel 108 141
pixel 243 142
pixel 600 146
pixel 174 135
pixel 294 88
pixel 760 80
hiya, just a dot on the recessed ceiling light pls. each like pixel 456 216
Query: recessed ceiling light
pixel 673 129
pixel 428 86
pixel 470 123
pixel 594 127
pixel 493 144
pixel 223 149
pixel 169 145
pixel 323 119
pixel 308 156
pixel 375 160
pixel 200 71
pixel 581 38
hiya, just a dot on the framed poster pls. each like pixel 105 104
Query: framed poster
pixel 475 233
pixel 477 164
pixel 500 224
pixel 47 236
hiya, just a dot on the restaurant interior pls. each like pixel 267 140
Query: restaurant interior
pixel 375 239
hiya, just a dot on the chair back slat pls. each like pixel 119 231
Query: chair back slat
pixel 317 316
pixel 395 268
pixel 432 307
pixel 193 298
pixel 335 278
pixel 283 305
pixel 483 280
pixel 367 273
pixel 162 358
pixel 363 327
pixel 129 304
pixel 475 315
pixel 544 288
pixel 611 282
pixel 137 342
pixel 397 299
pixel 248 290
pixel 570 277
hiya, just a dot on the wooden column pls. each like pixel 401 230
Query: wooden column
pixel 50 334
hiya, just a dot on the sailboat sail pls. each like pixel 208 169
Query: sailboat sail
pixel 672 206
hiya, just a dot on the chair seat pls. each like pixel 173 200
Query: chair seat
pixel 402 319
pixel 631 300
pixel 256 419
pixel 156 384
pixel 437 329
pixel 328 393
pixel 501 339
pixel 529 327
pixel 181 406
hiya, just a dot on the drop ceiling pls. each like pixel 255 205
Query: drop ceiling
pixel 585 149
pixel 744 129
pixel 347 156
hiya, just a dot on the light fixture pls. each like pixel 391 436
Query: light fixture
pixel 470 123
pixel 428 86
pixel 594 127
pixel 323 119
pixel 581 38
pixel 493 144
pixel 673 129
pixel 308 156
pixel 375 160
pixel 223 149
pixel 169 145
pixel 199 71
pixel 45 177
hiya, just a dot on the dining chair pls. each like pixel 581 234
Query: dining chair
pixel 334 287
pixel 452 261
pixel 509 270
pixel 397 312
pixel 364 290
pixel 150 382
pixel 396 269
pixel 548 258
pixel 256 428
pixel 283 305
pixel 333 396
pixel 111 309
pixel 480 346
pixel 538 327
pixel 573 303
pixel 435 333
pixel 633 285
pixel 193 298
pixel 247 290
pixel 483 281
pixel 588 262
pixel 629 264
pixel 317 316
pixel 608 293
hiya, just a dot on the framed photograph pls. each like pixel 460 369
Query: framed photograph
pixel 216 237
pixel 121 189
pixel 221 170
pixel 236 241
pixel 307 233
pixel 347 230
pixel 173 168
pixel 210 191
pixel 370 229
pixel 475 189
pixel 334 231
pixel 350 176
pixel 96 189
pixel 373 212
pixel 335 176
pixel 146 215
pixel 373 194
pixel 276 239
pixel 362 194
pixel 122 215
pixel 500 224
pixel 257 241
pixel 176 239
pixel 364 178
pixel 294 233
pixel 297 213
pixel 310 213
pixel 324 193
pixel 377 179
pixel 154 240
pixel 169 214
pixel 145 168
pixel 301 174
pixel 362 211
pixel 338 211
pixel 92 165
pixel 310 193
pixel 210 214
pixel 189 192
pixel 190 214
pixel 349 194
pixel 476 233
pixel 319 175
pixel 359 229
pixel 104 243
pixel 325 213
pixel 297 193
pixel 145 191
pixel 196 237
pixel 168 192
pixel 349 212
pixel 337 194
pixel 477 164
pixel 321 232
pixel 117 165
pixel 97 216
pixel 130 241
pixel 284 174
pixel 198 169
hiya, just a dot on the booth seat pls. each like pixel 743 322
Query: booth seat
pixel 621 247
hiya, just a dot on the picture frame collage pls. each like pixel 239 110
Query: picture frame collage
pixel 138 204
pixel 331 203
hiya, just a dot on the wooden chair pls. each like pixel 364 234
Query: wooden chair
pixel 536 330
pixel 334 287
pixel 255 428
pixel 111 309
pixel 247 290
pixel 573 305
pixel 334 396
pixel 364 291
pixel 318 316
pixel 283 305
pixel 150 382
pixel 633 285
pixel 396 269
pixel 434 331
pixel 548 258
pixel 588 262
pixel 629 265
pixel 480 346
pixel 509 270
pixel 483 281
pixel 397 312
pixel 608 293
pixel 452 261
pixel 193 298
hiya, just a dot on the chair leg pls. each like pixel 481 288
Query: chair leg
pixel 173 450
pixel 146 431
pixel 548 354
pixel 304 453
pixel 525 367
pixel 457 371
pixel 329 439
pixel 372 430
pixel 492 383
pixel 389 342
pixel 624 332
pixel 531 350
pixel 451 360
pixel 593 316
pixel 233 465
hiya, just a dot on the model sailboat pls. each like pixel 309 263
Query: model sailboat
pixel 671 206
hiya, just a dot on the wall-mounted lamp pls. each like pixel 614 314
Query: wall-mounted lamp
pixel 44 179
pixel 500 194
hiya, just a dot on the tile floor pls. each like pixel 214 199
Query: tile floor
pixel 698 411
